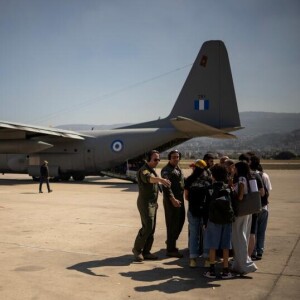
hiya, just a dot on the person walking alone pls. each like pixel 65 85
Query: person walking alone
pixel 44 176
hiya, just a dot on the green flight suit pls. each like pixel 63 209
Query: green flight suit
pixel 147 206
pixel 174 216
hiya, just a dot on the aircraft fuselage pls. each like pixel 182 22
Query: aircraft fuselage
pixel 105 150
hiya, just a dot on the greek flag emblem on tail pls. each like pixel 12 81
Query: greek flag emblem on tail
pixel 201 104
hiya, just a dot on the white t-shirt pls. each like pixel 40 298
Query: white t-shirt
pixel 267 181
pixel 242 180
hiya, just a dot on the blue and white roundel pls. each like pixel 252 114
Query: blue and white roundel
pixel 117 145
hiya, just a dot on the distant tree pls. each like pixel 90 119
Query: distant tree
pixel 285 155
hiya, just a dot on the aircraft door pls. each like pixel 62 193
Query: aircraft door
pixel 89 159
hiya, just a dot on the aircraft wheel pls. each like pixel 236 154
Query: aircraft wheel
pixel 35 178
pixel 78 177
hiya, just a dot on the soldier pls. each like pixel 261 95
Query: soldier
pixel 148 183
pixel 173 202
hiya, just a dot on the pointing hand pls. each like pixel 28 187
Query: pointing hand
pixel 165 182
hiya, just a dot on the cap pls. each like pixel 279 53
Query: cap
pixel 199 163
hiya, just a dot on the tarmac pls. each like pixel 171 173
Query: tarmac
pixel 75 243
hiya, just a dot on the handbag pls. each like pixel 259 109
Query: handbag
pixel 250 204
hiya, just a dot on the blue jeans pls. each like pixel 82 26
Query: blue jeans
pixel 262 221
pixel 195 235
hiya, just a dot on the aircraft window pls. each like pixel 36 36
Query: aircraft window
pixel 75 150
pixel 65 150
pixel 89 150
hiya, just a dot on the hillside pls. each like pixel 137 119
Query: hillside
pixel 258 123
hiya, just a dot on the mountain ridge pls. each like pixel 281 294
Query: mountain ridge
pixel 254 123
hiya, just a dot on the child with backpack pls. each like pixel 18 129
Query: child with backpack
pixel 196 192
pixel 220 218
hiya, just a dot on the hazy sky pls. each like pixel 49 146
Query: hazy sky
pixel 97 61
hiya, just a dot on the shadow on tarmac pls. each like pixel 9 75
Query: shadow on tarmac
pixel 87 266
pixel 178 279
pixel 104 182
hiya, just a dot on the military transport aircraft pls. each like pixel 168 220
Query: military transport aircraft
pixel 206 106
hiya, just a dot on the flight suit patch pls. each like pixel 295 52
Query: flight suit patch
pixel 145 172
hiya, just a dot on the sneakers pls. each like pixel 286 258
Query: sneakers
pixel 50 191
pixel 174 254
pixel 258 256
pixel 226 275
pixel 210 274
pixel 138 256
pixel 193 263
pixel 40 192
pixel 149 256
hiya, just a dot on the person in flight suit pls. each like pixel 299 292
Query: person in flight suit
pixel 173 202
pixel 148 183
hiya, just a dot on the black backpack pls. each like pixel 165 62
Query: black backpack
pixel 198 197
pixel 220 208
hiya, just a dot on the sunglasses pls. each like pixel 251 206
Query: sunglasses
pixel 156 159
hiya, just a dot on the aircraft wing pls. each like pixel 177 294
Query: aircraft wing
pixel 196 129
pixel 21 138
pixel 10 130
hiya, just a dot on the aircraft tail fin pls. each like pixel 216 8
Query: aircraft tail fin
pixel 208 94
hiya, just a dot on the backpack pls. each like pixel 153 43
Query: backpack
pixel 198 197
pixel 264 199
pixel 220 208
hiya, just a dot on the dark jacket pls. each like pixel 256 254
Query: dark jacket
pixel 44 171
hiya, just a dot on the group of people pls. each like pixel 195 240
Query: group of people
pixel 214 227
